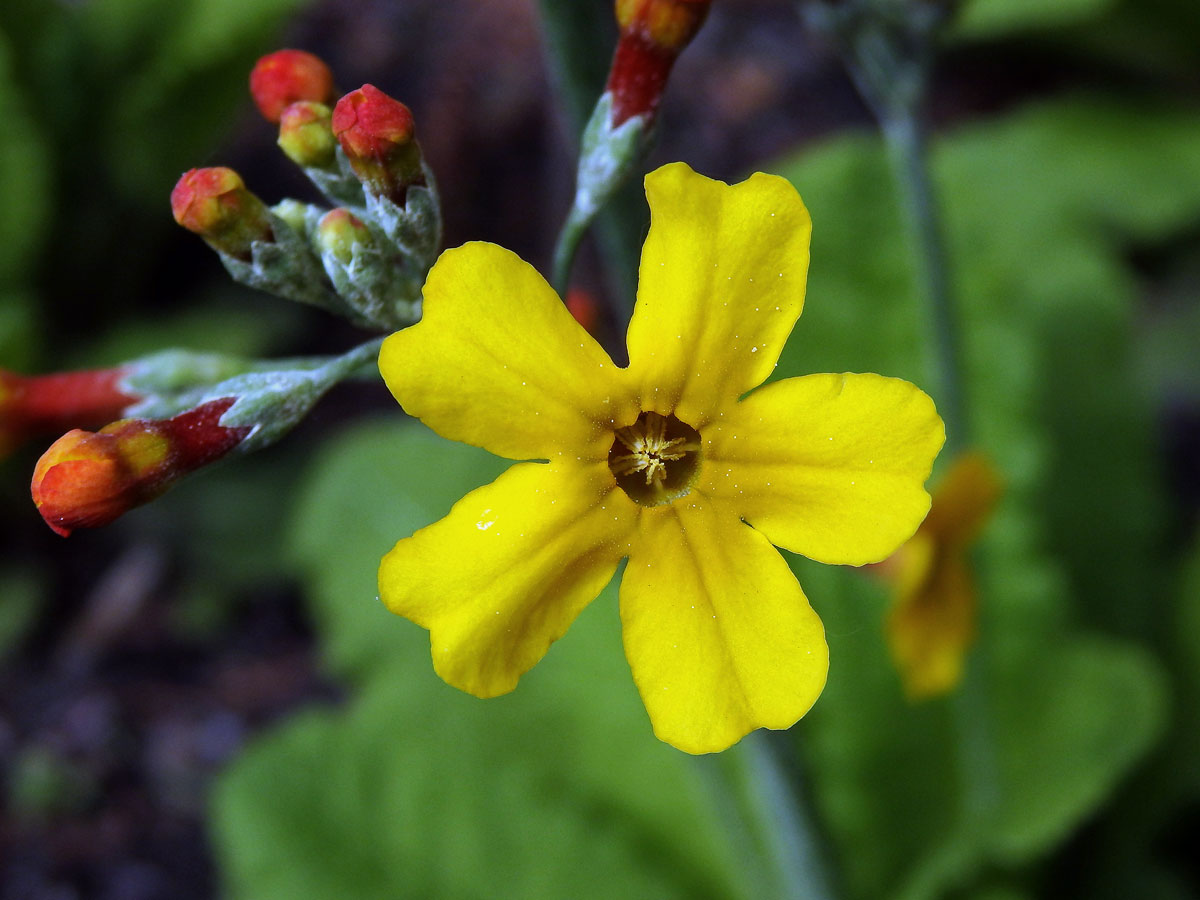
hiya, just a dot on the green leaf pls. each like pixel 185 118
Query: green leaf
pixel 1046 304
pixel 558 789
pixel 24 181
pixel 184 66
pixel 1065 723
pixel 25 187
pixel 379 482
pixel 996 18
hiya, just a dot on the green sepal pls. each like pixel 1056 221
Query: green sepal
pixel 288 268
pixel 381 287
pixel 338 183
pixel 606 157
pixel 271 396
pixel 414 229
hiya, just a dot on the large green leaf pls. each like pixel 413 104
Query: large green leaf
pixel 418 790
pixel 1037 206
pixel 366 492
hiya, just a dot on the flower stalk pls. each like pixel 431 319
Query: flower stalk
pixel 620 131
pixel 88 479
pixel 888 48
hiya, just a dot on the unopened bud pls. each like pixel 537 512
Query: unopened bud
pixel 306 134
pixel 653 34
pixel 49 404
pixel 293 213
pixel 337 233
pixel 215 204
pixel 284 77
pixel 87 479
pixel 378 137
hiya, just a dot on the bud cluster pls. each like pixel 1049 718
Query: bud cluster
pixel 366 257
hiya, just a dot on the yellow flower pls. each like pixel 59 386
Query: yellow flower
pixel 932 621
pixel 664 463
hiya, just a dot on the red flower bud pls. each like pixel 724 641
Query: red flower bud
pixel 48 404
pixel 282 78
pixel 377 136
pixel 215 204
pixel 306 134
pixel 653 34
pixel 89 479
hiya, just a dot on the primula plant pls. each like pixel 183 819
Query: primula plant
pixel 614 492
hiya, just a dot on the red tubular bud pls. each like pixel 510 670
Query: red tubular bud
pixel 89 479
pixel 282 78
pixel 653 34
pixel 48 404
pixel 306 134
pixel 215 204
pixel 378 137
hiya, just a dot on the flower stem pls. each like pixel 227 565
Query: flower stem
pixel 579 44
pixel 573 230
pixel 888 50
pixel 762 797
pixel 906 139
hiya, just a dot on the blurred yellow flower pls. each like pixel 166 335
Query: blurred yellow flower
pixel 932 621
pixel 665 463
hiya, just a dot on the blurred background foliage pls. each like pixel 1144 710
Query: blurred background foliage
pixel 206 697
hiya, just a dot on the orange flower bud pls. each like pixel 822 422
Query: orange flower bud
pixel 378 137
pixel 670 24
pixel 47 404
pixel 215 204
pixel 338 231
pixel 89 479
pixel 653 34
pixel 282 78
pixel 306 134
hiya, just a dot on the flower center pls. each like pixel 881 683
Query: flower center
pixel 655 460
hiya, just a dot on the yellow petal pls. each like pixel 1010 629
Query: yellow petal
pixel 498 362
pixel 719 635
pixel 500 578
pixel 932 624
pixel 829 466
pixel 720 287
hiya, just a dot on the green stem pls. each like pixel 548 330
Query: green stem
pixel 906 137
pixel 888 50
pixel 579 41
pixel 907 145
pixel 573 230
pixel 758 795
pixel 359 361
pixel 908 149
